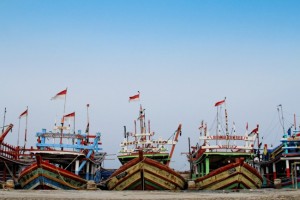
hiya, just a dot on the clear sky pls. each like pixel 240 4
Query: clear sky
pixel 183 56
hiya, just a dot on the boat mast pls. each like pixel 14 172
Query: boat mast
pixel 142 125
pixel 149 129
pixel 281 117
pixel 63 119
pixel 226 119
pixel 295 122
pixel 25 136
pixel 178 131
pixel 125 134
pixel 87 131
pixel 190 159
pixel 141 120
pixel 217 131
pixel 135 138
pixel 226 124
pixel 4 119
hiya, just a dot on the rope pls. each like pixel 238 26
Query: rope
pixel 62 178
pixel 10 173
pixel 72 161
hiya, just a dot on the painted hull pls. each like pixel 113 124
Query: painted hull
pixel 43 175
pixel 160 157
pixel 238 175
pixel 289 183
pixel 145 174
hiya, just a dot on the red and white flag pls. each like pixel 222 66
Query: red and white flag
pixel 220 103
pixel 60 95
pixel 23 114
pixel 68 116
pixel 141 117
pixel 135 97
pixel 254 131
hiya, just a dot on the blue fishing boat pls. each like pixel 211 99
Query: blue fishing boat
pixel 64 159
pixel 63 165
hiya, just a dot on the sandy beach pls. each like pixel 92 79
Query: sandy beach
pixel 98 194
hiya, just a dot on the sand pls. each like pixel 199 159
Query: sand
pixel 124 195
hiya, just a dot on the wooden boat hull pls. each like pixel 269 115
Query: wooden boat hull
pixel 160 157
pixel 288 183
pixel 43 175
pixel 145 174
pixel 237 175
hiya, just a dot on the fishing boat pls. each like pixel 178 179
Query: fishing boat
pixel 280 165
pixel 146 161
pixel 64 159
pixel 13 158
pixel 224 160
pixel 67 163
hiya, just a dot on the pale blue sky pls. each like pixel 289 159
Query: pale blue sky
pixel 182 55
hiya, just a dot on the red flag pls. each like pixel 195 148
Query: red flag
pixel 141 117
pixel 254 131
pixel 71 115
pixel 135 97
pixel 23 114
pixel 59 95
pixel 220 103
pixel 247 126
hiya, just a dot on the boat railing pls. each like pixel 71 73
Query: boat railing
pixel 8 151
pixel 14 152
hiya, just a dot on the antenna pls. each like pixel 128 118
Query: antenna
pixel 4 120
pixel 282 119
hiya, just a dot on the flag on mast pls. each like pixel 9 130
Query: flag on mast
pixel 254 131
pixel 23 114
pixel 68 116
pixel 87 130
pixel 60 95
pixel 135 97
pixel 220 103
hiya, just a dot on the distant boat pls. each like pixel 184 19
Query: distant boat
pixel 146 162
pixel 281 165
pixel 224 160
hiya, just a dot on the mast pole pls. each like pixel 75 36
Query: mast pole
pixel 217 131
pixel 63 118
pixel 65 101
pixel 282 118
pixel 73 140
pixel 141 120
pixel 135 139
pixel 190 159
pixel 4 120
pixel 174 143
pixel 25 136
pixel 88 122
pixel 149 129
pixel 18 131
pixel 226 118
pixel 258 144
pixel 295 122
